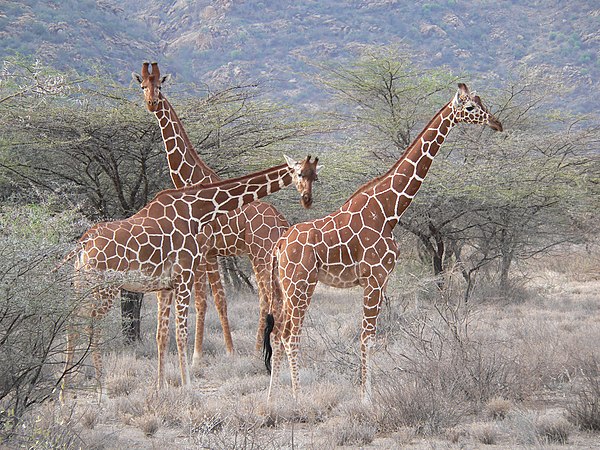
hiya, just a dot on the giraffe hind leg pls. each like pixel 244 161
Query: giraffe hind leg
pixel 216 285
pixel 200 306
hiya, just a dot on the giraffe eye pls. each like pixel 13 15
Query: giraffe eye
pixel 470 108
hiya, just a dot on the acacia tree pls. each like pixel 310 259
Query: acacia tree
pixel 506 198
pixel 490 199
pixel 103 152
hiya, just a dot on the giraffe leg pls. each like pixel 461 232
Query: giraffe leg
pixel 296 301
pixel 278 352
pixel 214 278
pixel 72 337
pixel 164 299
pixel 373 295
pixel 200 305
pixel 93 312
pixel 262 280
pixel 183 294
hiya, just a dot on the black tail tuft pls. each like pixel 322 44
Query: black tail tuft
pixel 267 349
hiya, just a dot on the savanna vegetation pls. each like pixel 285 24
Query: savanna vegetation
pixel 488 333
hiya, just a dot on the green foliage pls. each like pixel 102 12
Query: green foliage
pixel 490 199
pixel 34 306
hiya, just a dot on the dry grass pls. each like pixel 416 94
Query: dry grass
pixel 484 432
pixel 447 373
pixel 498 408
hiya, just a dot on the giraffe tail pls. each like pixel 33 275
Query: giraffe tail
pixel 275 295
pixel 267 349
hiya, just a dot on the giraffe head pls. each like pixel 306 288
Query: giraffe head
pixel 469 108
pixel 304 175
pixel 151 83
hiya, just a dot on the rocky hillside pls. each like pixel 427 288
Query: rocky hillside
pixel 220 41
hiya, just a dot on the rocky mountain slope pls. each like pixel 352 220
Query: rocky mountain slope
pixel 225 40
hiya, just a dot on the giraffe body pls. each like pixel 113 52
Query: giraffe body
pixel 158 249
pixel 250 230
pixel 354 245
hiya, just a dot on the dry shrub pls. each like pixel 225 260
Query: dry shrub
pixel 521 425
pixel 553 429
pixel 530 428
pixel 173 405
pixel 584 410
pixel 456 434
pixel 351 433
pixel 427 404
pixel 148 423
pixel 47 427
pixel 127 408
pixel 89 419
pixel 484 432
pixel 498 408
pixel 355 424
pixel 120 386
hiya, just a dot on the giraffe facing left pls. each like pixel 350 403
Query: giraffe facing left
pixel 158 249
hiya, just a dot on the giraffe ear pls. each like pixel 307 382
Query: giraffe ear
pixel 136 77
pixel 456 101
pixel 318 168
pixel 166 78
pixel 290 162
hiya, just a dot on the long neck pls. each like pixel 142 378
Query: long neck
pixel 395 190
pixel 204 202
pixel 185 164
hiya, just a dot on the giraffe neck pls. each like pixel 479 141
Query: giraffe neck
pixel 204 202
pixel 185 165
pixel 395 190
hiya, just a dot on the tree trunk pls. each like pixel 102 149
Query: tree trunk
pixel 131 306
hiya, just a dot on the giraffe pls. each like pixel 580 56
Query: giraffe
pixel 252 229
pixel 157 249
pixel 354 246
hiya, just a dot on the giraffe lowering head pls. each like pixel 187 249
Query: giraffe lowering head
pixel 151 83
pixel 469 108
pixel 304 175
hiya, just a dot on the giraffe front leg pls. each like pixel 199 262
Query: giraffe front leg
pixel 164 299
pixel 183 296
pixel 373 295
pixel 200 305
pixel 72 337
pixel 214 278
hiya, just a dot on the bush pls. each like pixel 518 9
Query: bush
pixel 34 307
pixel 553 429
pixel 584 410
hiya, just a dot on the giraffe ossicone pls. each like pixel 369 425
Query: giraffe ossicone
pixel 251 230
pixel 157 250
pixel 354 245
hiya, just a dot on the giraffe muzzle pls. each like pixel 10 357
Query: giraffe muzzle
pixel 307 200
pixel 494 124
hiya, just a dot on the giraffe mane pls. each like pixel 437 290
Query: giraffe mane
pixel 186 140
pixel 369 184
pixel 189 189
